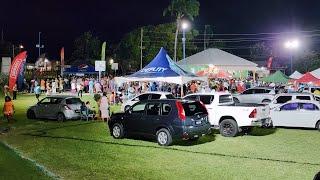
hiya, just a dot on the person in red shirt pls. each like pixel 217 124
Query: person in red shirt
pixel 8 108
pixel 193 87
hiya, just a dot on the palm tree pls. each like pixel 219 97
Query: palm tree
pixel 180 9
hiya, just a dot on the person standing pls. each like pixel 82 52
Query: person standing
pixel 37 91
pixel 104 107
pixel 43 85
pixel 14 91
pixel 54 87
pixel 91 84
pixel 61 82
pixel 73 86
pixel 6 91
pixel 80 88
pixel 8 109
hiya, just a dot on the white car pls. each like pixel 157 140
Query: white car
pixel 280 99
pixel 146 96
pixel 297 113
pixel 229 117
pixel 255 95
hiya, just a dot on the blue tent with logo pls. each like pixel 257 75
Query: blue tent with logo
pixel 162 69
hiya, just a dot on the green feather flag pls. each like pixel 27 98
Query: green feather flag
pixel 103 51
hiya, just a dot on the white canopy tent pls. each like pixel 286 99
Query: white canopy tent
pixel 316 73
pixel 296 75
pixel 220 59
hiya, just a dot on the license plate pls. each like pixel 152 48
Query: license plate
pixel 198 122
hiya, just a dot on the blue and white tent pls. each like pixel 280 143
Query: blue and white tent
pixel 162 69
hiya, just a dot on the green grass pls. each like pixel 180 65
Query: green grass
pixel 85 150
pixel 11 163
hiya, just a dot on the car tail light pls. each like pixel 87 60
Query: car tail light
pixel 66 107
pixel 181 113
pixel 253 114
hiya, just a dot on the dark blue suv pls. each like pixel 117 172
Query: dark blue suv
pixel 166 120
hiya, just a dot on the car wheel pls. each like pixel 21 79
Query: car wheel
pixel 318 126
pixel 60 117
pixel 31 114
pixel 164 137
pixel 236 100
pixel 117 131
pixel 266 101
pixel 229 128
pixel 270 125
pixel 126 108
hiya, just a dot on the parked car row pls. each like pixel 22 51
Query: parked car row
pixel 221 111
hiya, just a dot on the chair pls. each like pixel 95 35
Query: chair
pixel 86 114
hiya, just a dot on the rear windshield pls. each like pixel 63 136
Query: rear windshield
pixel 194 108
pixel 170 96
pixel 73 101
pixel 225 98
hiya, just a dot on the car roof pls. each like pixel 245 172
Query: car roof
pixel 269 88
pixel 156 92
pixel 294 94
pixel 303 101
pixel 62 96
pixel 166 100
pixel 209 93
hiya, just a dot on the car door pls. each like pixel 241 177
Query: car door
pixel 53 107
pixel 286 115
pixel 246 96
pixel 42 107
pixel 152 117
pixel 134 116
pixel 308 116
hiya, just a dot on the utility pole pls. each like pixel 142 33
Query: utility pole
pixel 205 37
pixel 141 47
pixel 39 44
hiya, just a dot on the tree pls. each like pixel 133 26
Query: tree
pixel 87 47
pixel 128 50
pixel 261 50
pixel 306 61
pixel 180 9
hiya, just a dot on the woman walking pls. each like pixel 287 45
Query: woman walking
pixel 104 107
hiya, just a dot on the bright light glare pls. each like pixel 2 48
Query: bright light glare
pixel 111 61
pixel 185 25
pixel 292 44
pixel 21 47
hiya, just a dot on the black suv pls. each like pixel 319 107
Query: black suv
pixel 165 119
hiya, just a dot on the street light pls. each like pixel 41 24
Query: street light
pixel 21 46
pixel 184 26
pixel 291 45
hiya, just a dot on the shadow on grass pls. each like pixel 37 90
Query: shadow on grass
pixel 262 131
pixel 170 149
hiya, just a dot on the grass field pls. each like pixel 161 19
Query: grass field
pixel 85 150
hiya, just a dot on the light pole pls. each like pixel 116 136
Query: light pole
pixel 39 45
pixel 184 26
pixel 291 45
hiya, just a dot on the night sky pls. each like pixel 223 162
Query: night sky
pixel 62 21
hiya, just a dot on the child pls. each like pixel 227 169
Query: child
pixel 37 91
pixel 8 109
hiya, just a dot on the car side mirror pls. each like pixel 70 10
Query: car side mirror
pixel 277 109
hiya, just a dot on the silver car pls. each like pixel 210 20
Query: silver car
pixel 56 107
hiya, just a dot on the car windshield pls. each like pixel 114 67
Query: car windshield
pixel 194 108
pixel 170 96
pixel 225 98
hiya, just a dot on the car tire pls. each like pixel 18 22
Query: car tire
pixel 31 114
pixel 61 117
pixel 117 131
pixel 270 125
pixel 318 126
pixel 164 137
pixel 126 108
pixel 236 100
pixel 229 128
pixel 266 101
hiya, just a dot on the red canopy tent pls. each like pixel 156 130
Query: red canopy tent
pixel 308 78
pixel 220 75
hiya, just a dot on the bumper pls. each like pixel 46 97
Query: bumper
pixel 70 114
pixel 261 122
pixel 195 131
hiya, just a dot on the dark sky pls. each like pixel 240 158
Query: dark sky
pixel 62 21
